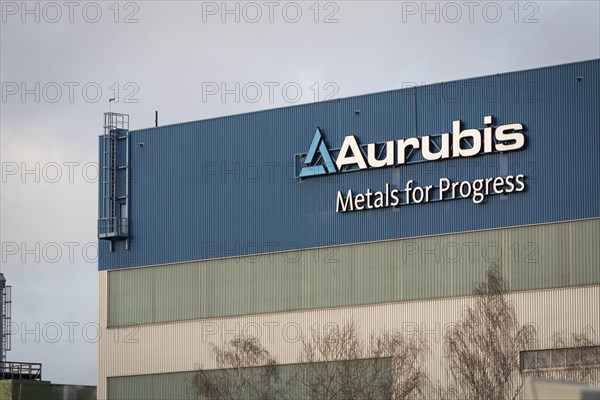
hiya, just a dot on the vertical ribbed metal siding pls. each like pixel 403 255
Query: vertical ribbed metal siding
pixel 178 386
pixel 532 257
pixel 182 346
pixel 180 212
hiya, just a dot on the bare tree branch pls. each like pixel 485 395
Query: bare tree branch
pixel 338 364
pixel 483 349
pixel 246 371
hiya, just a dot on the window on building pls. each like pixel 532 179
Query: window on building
pixel 570 357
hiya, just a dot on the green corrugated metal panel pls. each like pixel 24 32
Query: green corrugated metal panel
pixel 538 256
pixel 585 252
pixel 130 296
pixel 174 386
pixel 145 387
pixel 350 275
pixel 176 294
pixel 178 386
pixel 444 266
pixel 532 257
pixel 243 285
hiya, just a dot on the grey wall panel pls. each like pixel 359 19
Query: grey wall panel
pixel 224 186
pixel 531 257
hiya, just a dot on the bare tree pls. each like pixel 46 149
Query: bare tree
pixel 483 349
pixel 246 371
pixel 338 364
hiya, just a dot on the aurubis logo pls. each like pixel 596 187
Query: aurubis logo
pixel 459 143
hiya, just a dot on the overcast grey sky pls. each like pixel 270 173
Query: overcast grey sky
pixel 61 62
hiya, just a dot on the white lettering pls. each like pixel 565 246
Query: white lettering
pixel 350 144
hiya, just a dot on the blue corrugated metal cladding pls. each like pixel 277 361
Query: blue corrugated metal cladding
pixel 226 187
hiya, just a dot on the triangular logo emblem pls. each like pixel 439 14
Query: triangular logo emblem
pixel 325 162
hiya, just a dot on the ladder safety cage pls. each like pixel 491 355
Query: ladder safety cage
pixel 113 221
pixel 6 321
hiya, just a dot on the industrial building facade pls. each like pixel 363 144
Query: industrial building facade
pixel 386 209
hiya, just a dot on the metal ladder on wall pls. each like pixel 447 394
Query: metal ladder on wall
pixel 6 319
pixel 114 181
